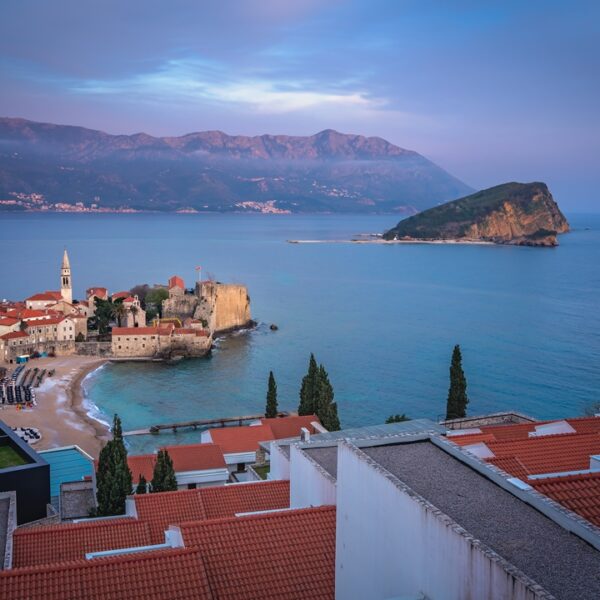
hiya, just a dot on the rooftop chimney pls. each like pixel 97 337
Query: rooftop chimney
pixel 304 434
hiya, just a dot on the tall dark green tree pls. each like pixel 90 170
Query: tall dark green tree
pixel 141 486
pixel 113 478
pixel 456 406
pixel 397 418
pixel 325 407
pixel 271 408
pixel 308 390
pixel 163 478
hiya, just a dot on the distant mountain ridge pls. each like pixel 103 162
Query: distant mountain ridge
pixel 510 213
pixel 211 170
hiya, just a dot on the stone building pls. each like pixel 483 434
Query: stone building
pixel 159 342
pixel 135 315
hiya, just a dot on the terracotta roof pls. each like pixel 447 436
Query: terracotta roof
pixel 472 438
pixel 13 335
pixel 184 330
pixel 140 331
pixel 43 297
pixel 60 543
pixel 176 281
pixel 286 427
pixel 168 508
pixel 42 322
pixel 579 493
pixel 129 299
pixel 28 313
pixel 173 508
pixel 229 500
pixel 277 556
pixel 551 453
pixel 96 291
pixel 241 439
pixel 118 295
pixel 141 464
pixel 158 575
pixel 196 457
pixel 512 466
pixel 8 321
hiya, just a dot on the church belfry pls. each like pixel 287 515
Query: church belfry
pixel 66 289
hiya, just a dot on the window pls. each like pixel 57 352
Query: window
pixel 192 486
pixel 119 347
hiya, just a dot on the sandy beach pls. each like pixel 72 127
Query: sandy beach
pixel 60 414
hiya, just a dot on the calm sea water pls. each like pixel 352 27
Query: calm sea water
pixel 383 319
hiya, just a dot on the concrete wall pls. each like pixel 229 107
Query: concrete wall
pixel 310 484
pixel 390 543
pixel 279 463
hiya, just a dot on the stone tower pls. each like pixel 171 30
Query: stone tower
pixel 66 289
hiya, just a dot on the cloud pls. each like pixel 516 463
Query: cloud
pixel 195 80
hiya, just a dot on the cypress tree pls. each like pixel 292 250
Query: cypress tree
pixel 456 406
pixel 271 408
pixel 163 478
pixel 141 486
pixel 326 408
pixel 397 418
pixel 113 478
pixel 308 390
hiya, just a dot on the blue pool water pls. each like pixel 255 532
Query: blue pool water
pixel 383 319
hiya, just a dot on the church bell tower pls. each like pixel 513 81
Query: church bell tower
pixel 66 289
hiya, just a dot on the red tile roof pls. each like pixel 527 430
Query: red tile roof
pixel 100 292
pixel 229 500
pixel 176 281
pixel 157 575
pixel 43 297
pixel 241 439
pixel 472 438
pixel 141 331
pixel 196 457
pixel 60 543
pixel 11 335
pixel 277 556
pixel 286 427
pixel 512 466
pixel 173 508
pixel 42 322
pixel 129 299
pixel 8 321
pixel 168 508
pixel 579 493
pixel 141 464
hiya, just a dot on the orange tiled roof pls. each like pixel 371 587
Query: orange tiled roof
pixel 100 292
pixel 176 281
pixel 13 335
pixel 50 321
pixel 196 457
pixel 241 439
pixel 43 297
pixel 8 321
pixel 551 453
pixel 141 331
pixel 471 438
pixel 156 575
pixel 60 543
pixel 286 427
pixel 579 493
pixel 168 508
pixel 511 465
pixel 277 556
pixel 172 508
pixel 141 464
pixel 229 500
pixel 118 295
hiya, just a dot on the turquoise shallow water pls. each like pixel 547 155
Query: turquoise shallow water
pixel 383 319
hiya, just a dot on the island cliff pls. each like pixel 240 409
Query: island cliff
pixel 511 213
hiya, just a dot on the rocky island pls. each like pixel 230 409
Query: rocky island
pixel 523 214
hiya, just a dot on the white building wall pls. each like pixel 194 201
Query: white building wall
pixel 310 485
pixel 389 544
pixel 279 463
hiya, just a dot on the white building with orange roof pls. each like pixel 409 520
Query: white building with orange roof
pixel 135 315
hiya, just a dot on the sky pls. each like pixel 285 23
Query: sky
pixel 492 91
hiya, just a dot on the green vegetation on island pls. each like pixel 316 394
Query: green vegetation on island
pixel 511 213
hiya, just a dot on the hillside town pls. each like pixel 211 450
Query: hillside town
pixel 54 323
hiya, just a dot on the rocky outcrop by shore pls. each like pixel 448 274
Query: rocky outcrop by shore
pixel 522 214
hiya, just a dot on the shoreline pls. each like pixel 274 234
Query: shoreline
pixel 61 414
pixel 384 242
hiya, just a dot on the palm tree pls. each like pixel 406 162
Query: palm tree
pixel 119 311
pixel 134 311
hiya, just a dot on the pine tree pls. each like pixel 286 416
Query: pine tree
pixel 308 391
pixel 163 478
pixel 325 407
pixel 271 408
pixel 141 486
pixel 113 478
pixel 456 406
pixel 397 418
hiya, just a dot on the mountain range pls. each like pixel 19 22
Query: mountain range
pixel 213 171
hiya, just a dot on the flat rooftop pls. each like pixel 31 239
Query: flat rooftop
pixel 562 563
pixel 325 456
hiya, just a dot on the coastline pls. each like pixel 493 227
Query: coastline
pixel 61 413
pixel 384 242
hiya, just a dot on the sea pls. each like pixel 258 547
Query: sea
pixel 383 319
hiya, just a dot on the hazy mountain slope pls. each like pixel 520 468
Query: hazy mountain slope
pixel 210 170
